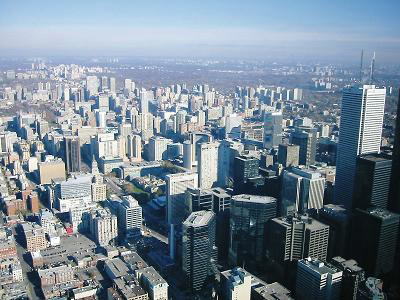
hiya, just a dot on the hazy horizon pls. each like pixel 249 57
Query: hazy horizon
pixel 269 30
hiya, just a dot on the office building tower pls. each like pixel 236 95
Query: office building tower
pixel 92 85
pixel 176 188
pixel 103 102
pixel 374 239
pixel 227 152
pixel 113 85
pixel 72 154
pixel 104 83
pixel 236 284
pixel 297 237
pixel 73 192
pixel 144 102
pixel 394 196
pixel 306 139
pixel 189 155
pixel 103 226
pixel 272 129
pixel 157 149
pixel 198 199
pixel 297 94
pixel 338 218
pixel 221 207
pixel 288 155
pixel 128 85
pixel 372 181
pixel 101 119
pixel 245 167
pixel 134 144
pixel 249 215
pixel 129 216
pixel 302 189
pixel 360 133
pixel 352 277
pixel 317 280
pixel 198 248
pixel 208 165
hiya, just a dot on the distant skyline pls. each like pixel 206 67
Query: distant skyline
pixel 312 30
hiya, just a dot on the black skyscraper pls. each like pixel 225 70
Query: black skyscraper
pixel 198 248
pixel 374 239
pixel 245 168
pixel 372 181
pixel 72 154
pixel 394 198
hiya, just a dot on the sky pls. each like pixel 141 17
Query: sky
pixel 334 30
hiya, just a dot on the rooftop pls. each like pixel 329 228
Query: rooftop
pixel 199 218
pixel 253 198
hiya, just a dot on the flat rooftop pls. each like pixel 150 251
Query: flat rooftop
pixel 199 218
pixel 254 198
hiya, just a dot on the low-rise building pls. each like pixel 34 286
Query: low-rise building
pixel 153 283
pixel 34 235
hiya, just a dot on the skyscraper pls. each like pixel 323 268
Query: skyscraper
pixel 301 190
pixel 394 202
pixel 208 164
pixel 360 133
pixel 176 188
pixel 306 138
pixel 134 145
pixel 245 167
pixel 92 85
pixel 374 239
pixel 294 238
pixel 317 280
pixel 157 149
pixel 144 102
pixel 129 216
pixel 372 181
pixel 272 129
pixel 288 155
pixel 113 85
pixel 198 248
pixel 249 215
pixel 72 154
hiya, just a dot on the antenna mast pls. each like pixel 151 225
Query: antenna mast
pixel 361 66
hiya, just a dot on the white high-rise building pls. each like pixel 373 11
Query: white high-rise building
pixel 360 133
pixel 189 155
pixel 134 145
pixel 144 102
pixel 113 85
pixel 130 216
pixel 176 188
pixel 128 85
pixel 92 85
pixel 236 284
pixel 103 226
pixel 208 164
pixel 158 148
pixel 272 129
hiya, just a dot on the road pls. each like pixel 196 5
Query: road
pixel 113 186
pixel 155 234
pixel 25 267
